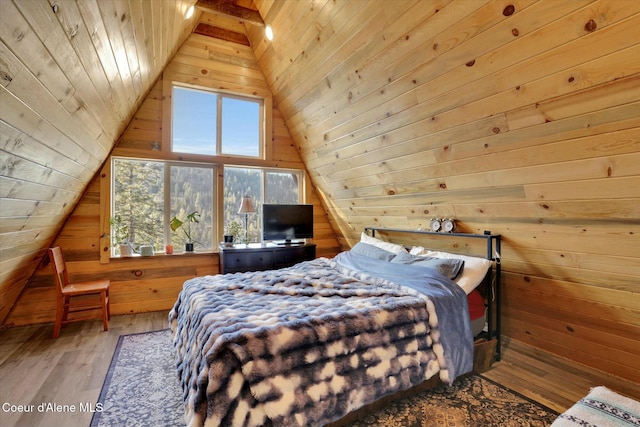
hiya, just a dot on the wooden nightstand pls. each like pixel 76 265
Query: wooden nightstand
pixel 257 257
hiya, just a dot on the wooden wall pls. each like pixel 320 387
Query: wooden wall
pixel 71 78
pixel 149 284
pixel 516 116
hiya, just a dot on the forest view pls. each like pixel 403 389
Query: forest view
pixel 281 187
pixel 140 197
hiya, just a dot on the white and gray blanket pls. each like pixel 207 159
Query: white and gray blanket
pixel 308 344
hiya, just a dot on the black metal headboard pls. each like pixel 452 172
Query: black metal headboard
pixel 493 253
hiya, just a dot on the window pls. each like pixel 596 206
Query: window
pixel 263 186
pixel 147 194
pixel 137 201
pixel 191 190
pixel 210 123
pixel 283 187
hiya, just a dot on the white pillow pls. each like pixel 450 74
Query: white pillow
pixel 475 268
pixel 390 247
pixel 417 250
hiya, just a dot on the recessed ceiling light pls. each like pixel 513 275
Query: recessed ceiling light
pixel 268 31
pixel 189 12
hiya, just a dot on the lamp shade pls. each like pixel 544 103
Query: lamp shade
pixel 246 206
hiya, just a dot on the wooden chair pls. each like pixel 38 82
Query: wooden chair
pixel 66 291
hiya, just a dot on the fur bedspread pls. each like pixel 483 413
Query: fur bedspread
pixel 305 345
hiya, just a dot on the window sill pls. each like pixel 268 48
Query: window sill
pixel 163 254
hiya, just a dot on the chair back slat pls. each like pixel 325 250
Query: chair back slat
pixel 59 267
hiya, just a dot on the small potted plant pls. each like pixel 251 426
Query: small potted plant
pixel 120 236
pixel 185 226
pixel 232 233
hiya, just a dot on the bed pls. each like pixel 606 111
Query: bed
pixel 309 344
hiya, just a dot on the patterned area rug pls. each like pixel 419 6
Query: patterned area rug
pixel 141 389
pixel 470 402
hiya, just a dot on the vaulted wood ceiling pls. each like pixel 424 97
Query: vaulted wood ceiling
pixel 518 116
pixel 73 74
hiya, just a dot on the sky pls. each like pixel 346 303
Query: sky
pixel 194 123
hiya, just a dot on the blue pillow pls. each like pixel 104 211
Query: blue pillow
pixel 450 268
pixel 373 251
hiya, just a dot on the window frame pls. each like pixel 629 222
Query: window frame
pixel 263 187
pixel 159 150
pixel 301 181
pixel 106 187
pixel 266 169
pixel 167 195
pixel 214 189
pixel 220 96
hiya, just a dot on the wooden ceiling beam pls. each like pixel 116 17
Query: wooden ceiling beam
pixel 221 33
pixel 230 9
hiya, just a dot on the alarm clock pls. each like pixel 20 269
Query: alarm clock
pixel 449 225
pixel 435 224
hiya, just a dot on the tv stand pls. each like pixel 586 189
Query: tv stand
pixel 268 257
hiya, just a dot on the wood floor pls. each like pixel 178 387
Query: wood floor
pixel 35 369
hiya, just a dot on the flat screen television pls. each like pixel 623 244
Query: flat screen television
pixel 287 222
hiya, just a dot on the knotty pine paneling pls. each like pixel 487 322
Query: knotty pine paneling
pixel 515 116
pixel 153 283
pixel 73 75
pixel 519 117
